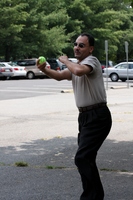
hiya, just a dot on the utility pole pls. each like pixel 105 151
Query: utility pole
pixel 106 52
pixel 126 50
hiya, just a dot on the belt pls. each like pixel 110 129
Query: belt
pixel 91 107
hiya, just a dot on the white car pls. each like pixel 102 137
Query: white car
pixel 5 71
pixel 62 66
pixel 122 71
pixel 17 70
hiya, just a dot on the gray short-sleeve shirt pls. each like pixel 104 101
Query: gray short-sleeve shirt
pixel 89 90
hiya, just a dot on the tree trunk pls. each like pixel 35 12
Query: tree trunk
pixel 7 53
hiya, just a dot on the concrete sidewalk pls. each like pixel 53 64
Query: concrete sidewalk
pixel 43 133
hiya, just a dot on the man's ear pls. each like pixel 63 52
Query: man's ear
pixel 91 49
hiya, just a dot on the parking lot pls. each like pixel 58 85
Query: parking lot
pixel 38 125
pixel 23 88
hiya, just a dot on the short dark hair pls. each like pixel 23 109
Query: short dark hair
pixel 91 39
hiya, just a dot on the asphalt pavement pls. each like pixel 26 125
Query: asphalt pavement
pixel 41 132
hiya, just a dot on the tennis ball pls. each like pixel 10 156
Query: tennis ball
pixel 42 59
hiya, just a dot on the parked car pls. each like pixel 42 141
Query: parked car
pixel 73 60
pixel 18 71
pixel 32 70
pixel 5 71
pixel 122 71
pixel 54 63
pixel 109 64
pixel 62 66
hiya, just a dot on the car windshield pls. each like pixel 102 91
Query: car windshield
pixel 27 62
pixel 122 66
pixel 2 65
pixel 12 63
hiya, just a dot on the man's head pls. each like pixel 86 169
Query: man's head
pixel 83 46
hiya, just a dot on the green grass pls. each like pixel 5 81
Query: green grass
pixel 54 167
pixel 2 164
pixel 21 164
pixel 113 170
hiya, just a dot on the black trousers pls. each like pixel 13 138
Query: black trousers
pixel 94 126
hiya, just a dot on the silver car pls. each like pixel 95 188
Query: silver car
pixel 122 71
pixel 32 70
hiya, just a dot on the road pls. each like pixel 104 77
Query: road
pixel 12 89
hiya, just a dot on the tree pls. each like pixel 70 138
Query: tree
pixel 112 21
pixel 30 29
pixel 44 32
pixel 11 24
pixel 130 2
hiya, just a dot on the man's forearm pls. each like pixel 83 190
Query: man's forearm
pixel 51 73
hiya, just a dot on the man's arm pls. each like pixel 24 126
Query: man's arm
pixel 76 68
pixel 57 75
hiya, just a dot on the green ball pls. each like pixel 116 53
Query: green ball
pixel 42 59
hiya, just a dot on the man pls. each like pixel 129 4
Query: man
pixel 94 116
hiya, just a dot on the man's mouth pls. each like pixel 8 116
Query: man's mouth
pixel 77 53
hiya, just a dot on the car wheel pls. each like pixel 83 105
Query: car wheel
pixel 4 78
pixel 114 77
pixel 30 75
pixel 123 79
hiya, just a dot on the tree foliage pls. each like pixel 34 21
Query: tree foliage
pixel 29 28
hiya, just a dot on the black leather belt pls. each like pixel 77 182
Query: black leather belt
pixel 98 105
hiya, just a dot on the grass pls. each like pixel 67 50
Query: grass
pixel 21 164
pixel 113 170
pixel 2 164
pixel 54 167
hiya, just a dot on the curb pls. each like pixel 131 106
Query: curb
pixel 66 91
pixel 118 87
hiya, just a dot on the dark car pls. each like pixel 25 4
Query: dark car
pixel 54 63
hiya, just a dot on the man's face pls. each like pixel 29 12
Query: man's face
pixel 82 49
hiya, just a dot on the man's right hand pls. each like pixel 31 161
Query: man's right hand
pixel 63 59
pixel 41 66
